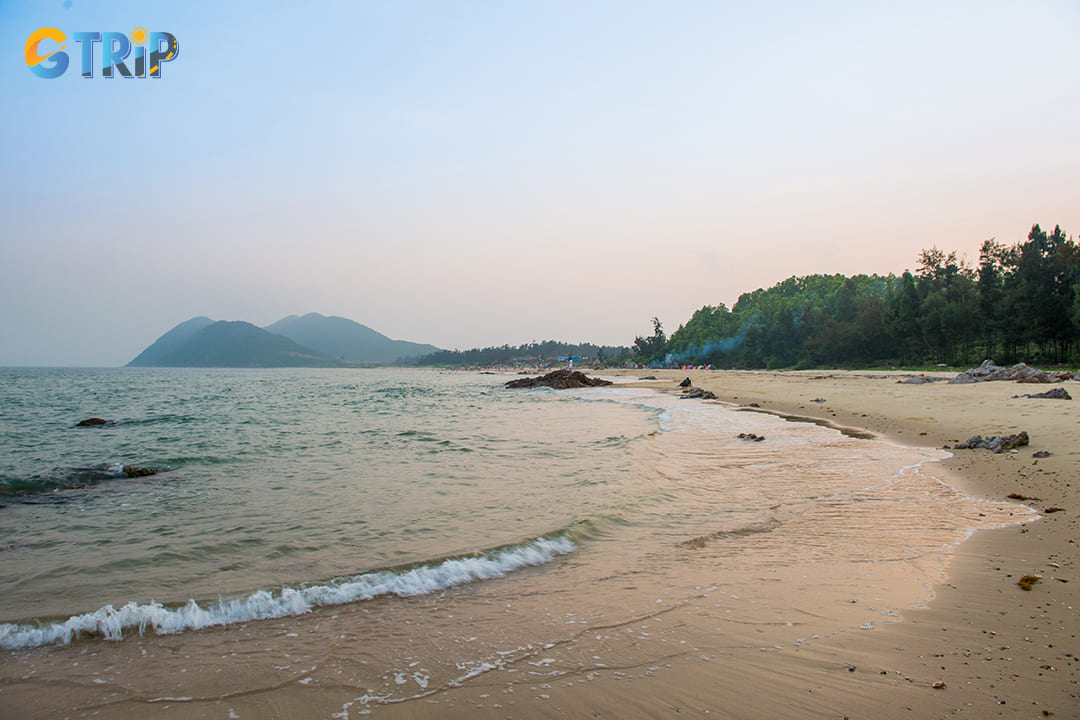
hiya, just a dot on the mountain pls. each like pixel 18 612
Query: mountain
pixel 346 339
pixel 170 342
pixel 201 342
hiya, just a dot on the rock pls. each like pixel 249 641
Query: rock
pixel 93 422
pixel 753 405
pixel 997 443
pixel 752 437
pixel 698 393
pixel 649 377
pixel 685 383
pixel 1058 393
pixel 917 380
pixel 560 380
pixel 132 472
pixel 1041 454
pixel 818 400
pixel 1020 372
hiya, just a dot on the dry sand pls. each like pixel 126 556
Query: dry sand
pixel 994 649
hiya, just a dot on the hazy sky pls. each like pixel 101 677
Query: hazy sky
pixel 477 173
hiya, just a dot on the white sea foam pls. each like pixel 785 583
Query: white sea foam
pixel 111 623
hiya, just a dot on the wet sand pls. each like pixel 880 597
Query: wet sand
pixel 728 652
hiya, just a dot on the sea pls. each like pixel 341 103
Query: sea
pixel 394 532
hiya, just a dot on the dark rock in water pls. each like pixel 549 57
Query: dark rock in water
pixel 93 422
pixel 1051 394
pixel 752 437
pixel 997 443
pixel 1041 454
pixel 698 394
pixel 685 383
pixel 133 472
pixel 560 380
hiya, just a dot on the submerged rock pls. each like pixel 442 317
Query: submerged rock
pixel 92 422
pixel 997 443
pixel 132 471
pixel 560 380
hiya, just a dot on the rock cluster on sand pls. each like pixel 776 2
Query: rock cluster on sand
pixel 560 380
pixel 917 380
pixel 997 443
pixel 1051 394
pixel 696 393
pixel 752 437
pixel 1020 372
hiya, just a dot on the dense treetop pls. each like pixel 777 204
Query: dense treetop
pixel 1021 302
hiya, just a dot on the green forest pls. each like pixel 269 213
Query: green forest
pixel 532 354
pixel 1020 303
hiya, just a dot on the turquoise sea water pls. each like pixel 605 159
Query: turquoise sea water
pixel 286 478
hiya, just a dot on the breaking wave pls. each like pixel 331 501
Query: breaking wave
pixel 111 624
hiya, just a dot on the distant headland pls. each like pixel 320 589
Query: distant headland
pixel 311 340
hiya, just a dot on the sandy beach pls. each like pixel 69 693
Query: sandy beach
pixel 968 641
pixel 980 647
pixel 1000 651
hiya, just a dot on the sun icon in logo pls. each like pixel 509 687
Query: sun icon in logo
pixel 139 36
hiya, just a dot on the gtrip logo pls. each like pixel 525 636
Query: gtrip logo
pixel 115 49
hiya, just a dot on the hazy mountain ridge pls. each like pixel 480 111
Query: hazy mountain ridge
pixel 159 352
pixel 346 339
pixel 310 341
pixel 232 344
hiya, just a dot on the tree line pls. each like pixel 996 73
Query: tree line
pixel 530 355
pixel 1021 302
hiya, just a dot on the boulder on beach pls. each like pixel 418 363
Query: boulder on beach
pixel 996 443
pixel 917 380
pixel 1020 372
pixel 698 394
pixel 92 422
pixel 560 380
pixel 1051 394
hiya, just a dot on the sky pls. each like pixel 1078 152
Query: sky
pixel 478 173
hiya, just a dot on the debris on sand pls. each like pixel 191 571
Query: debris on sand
pixel 1028 581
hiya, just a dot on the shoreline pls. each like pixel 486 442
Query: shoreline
pixel 999 650
pixel 980 635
